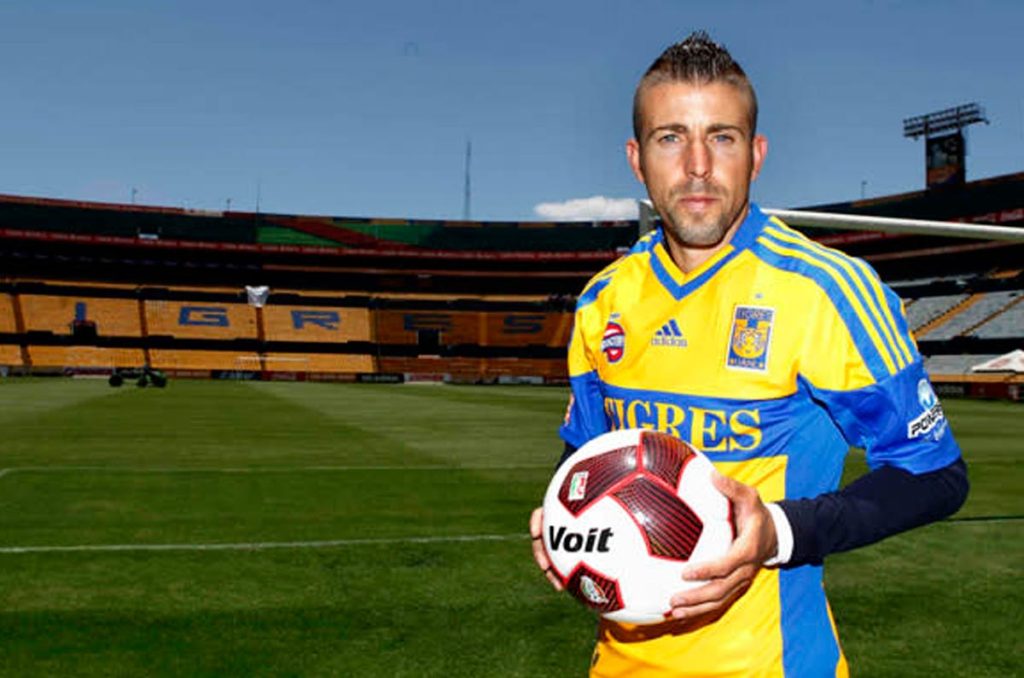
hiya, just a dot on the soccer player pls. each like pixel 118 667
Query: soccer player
pixel 773 355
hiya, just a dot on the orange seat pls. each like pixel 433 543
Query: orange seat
pixel 316 323
pixel 51 313
pixel 85 356
pixel 171 359
pixel 200 319
pixel 319 362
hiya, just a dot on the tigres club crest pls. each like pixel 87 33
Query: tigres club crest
pixel 613 341
pixel 750 338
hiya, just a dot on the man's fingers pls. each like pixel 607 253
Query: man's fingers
pixel 537 523
pixel 733 489
pixel 540 554
pixel 536 541
pixel 714 569
pixel 741 552
pixel 709 598
pixel 555 581
pixel 716 591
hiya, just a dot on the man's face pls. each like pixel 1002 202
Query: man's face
pixel 697 158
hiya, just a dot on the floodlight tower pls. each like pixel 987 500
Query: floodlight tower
pixel 944 147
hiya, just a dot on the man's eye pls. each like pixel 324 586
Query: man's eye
pixel 668 138
pixel 723 139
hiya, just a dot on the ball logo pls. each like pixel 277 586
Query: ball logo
pixel 592 591
pixel 593 540
pixel 578 486
pixel 613 342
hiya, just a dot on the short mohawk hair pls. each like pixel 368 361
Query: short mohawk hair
pixel 697 59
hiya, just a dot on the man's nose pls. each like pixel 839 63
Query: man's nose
pixel 698 159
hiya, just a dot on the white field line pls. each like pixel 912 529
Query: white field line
pixel 260 546
pixel 268 469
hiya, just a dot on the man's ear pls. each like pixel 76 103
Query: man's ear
pixel 633 156
pixel 760 148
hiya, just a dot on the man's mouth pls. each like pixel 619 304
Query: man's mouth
pixel 698 202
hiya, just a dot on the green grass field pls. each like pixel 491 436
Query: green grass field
pixel 231 528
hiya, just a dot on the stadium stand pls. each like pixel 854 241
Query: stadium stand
pixel 480 328
pixel 57 314
pixel 316 323
pixel 967 315
pixel 84 356
pixel 319 362
pixel 200 320
pixel 10 355
pixel 953 364
pixel 388 298
pixel 1007 322
pixel 8 321
pixel 926 310
pixel 171 359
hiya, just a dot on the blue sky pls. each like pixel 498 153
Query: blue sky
pixel 365 108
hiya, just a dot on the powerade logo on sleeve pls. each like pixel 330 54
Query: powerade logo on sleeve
pixel 613 341
pixel 932 422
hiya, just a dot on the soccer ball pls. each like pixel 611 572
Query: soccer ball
pixel 622 516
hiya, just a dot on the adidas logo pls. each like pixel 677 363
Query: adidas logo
pixel 669 335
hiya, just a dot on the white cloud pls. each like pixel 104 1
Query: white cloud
pixel 596 208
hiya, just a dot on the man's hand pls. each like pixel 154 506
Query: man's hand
pixel 730 576
pixel 539 553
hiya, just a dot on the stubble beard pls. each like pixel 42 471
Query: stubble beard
pixel 699 230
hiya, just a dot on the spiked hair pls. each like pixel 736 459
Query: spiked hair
pixel 697 60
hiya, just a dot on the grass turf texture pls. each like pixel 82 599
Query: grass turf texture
pixel 247 463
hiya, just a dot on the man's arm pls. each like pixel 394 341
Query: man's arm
pixel 879 504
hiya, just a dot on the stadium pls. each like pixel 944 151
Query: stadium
pixel 93 287
pixel 157 498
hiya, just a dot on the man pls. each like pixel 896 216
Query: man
pixel 789 353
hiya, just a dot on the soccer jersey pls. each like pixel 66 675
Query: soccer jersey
pixel 773 357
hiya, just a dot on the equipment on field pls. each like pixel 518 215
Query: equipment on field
pixel 624 514
pixel 143 377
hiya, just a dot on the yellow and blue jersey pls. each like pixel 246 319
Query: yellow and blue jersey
pixel 774 357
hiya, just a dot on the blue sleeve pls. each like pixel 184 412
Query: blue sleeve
pixel 898 421
pixel 917 474
pixel 585 417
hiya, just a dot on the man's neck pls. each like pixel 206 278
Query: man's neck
pixel 689 257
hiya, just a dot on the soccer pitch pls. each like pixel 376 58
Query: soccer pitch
pixel 246 528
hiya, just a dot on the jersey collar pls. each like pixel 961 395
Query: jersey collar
pixel 680 284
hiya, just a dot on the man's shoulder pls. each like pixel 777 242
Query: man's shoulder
pixel 628 269
pixel 833 270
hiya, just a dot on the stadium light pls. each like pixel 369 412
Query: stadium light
pixel 943 121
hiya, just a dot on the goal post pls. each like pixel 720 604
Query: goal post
pixel 648 219
pixel 858 222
